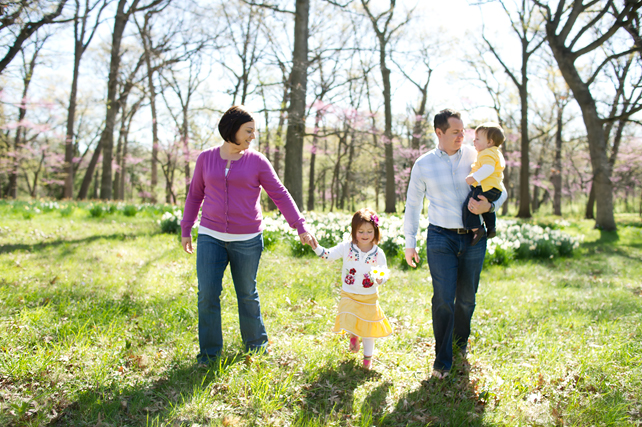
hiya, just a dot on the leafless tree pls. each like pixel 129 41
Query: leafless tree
pixel 29 61
pixel 123 14
pixel 83 35
pixel 574 30
pixel 385 29
pixel 526 22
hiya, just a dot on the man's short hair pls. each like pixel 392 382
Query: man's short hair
pixel 494 132
pixel 441 119
pixel 232 121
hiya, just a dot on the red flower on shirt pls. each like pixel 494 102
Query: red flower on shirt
pixel 349 279
pixel 367 283
pixel 353 271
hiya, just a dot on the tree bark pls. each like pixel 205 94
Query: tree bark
pixel 556 177
pixel 313 154
pixel 89 173
pixel 524 170
pixel 293 177
pixel 391 194
pixel 152 105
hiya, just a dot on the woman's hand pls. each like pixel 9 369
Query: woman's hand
pixel 308 239
pixel 379 280
pixel 187 244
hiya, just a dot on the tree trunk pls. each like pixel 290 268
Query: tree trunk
pixel 556 177
pixel 20 130
pixel 71 117
pixel 524 170
pixel 594 130
pixel 112 107
pixel 311 181
pixel 347 182
pixel 119 151
pixel 293 178
pixel 390 166
pixel 86 181
pixel 186 154
pixel 152 104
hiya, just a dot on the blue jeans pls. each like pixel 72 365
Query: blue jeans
pixel 212 258
pixel 455 267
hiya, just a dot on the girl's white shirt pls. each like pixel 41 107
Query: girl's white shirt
pixel 356 266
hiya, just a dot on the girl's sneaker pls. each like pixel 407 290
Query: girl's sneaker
pixel 367 362
pixel 354 344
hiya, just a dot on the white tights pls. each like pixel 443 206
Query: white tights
pixel 368 346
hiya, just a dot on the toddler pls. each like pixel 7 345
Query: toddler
pixel 485 178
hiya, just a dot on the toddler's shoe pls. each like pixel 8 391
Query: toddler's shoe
pixel 354 345
pixel 491 233
pixel 367 363
pixel 478 236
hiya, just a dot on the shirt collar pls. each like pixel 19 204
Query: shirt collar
pixel 442 153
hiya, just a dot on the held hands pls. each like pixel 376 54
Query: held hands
pixel 470 180
pixel 478 207
pixel 308 239
pixel 412 257
pixel 187 244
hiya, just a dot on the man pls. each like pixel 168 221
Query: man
pixel 455 265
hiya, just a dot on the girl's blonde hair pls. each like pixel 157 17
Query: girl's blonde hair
pixel 361 217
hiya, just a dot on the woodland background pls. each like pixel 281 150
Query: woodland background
pixel 115 99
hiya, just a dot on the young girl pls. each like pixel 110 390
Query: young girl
pixel 359 313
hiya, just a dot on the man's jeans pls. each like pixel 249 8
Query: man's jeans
pixel 212 258
pixel 455 267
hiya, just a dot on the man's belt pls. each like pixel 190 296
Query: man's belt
pixel 454 230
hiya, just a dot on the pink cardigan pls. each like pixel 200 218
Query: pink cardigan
pixel 232 204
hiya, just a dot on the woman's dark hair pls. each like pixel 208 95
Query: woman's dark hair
pixel 231 122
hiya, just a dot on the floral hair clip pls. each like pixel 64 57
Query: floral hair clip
pixel 375 220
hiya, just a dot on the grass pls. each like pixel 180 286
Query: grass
pixel 98 326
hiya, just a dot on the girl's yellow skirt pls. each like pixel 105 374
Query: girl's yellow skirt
pixel 362 316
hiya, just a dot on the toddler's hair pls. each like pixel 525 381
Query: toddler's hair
pixel 494 132
pixel 361 217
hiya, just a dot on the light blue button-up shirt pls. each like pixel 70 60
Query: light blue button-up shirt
pixel 441 179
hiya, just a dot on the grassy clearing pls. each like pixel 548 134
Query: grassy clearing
pixel 99 325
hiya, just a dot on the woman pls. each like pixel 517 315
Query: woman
pixel 227 181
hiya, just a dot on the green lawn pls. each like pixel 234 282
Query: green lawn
pixel 99 327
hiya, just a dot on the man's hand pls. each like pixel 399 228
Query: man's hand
pixel 308 239
pixel 470 180
pixel 477 207
pixel 187 244
pixel 412 256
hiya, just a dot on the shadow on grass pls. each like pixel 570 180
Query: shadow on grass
pixel 330 397
pixel 451 401
pixel 144 405
pixel 40 246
